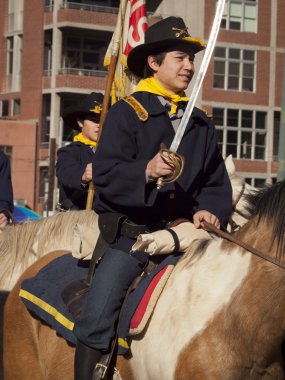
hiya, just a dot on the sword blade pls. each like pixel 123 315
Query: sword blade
pixel 200 77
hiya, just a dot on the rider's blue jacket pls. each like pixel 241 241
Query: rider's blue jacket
pixel 128 144
pixel 71 163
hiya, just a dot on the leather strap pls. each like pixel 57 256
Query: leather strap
pixel 227 236
pixel 99 250
pixel 175 238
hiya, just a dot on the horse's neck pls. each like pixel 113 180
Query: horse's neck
pixel 261 291
pixel 219 292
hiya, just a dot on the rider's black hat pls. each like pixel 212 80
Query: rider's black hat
pixel 91 105
pixel 166 34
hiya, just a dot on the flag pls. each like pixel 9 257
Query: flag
pixel 137 25
pixel 129 32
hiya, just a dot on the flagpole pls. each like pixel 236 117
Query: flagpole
pixel 110 77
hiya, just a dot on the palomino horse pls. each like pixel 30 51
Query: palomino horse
pixel 220 316
pixel 23 244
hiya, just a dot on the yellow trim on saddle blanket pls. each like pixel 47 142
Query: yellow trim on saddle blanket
pixel 47 308
pixel 122 342
pixel 136 105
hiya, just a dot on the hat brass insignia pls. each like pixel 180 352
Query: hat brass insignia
pixel 97 108
pixel 180 32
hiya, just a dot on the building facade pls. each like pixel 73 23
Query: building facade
pixel 52 52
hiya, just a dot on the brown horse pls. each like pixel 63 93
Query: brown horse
pixel 221 314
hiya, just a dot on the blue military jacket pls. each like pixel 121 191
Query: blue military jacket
pixel 6 189
pixel 70 166
pixel 127 145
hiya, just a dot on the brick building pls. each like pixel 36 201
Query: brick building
pixel 51 55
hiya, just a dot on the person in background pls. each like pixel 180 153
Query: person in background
pixel 128 163
pixel 74 161
pixel 6 191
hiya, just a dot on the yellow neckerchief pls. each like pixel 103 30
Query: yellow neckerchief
pixel 151 85
pixel 83 140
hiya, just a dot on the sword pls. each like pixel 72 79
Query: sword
pixel 188 110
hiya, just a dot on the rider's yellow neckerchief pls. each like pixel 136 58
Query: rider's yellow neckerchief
pixel 151 85
pixel 83 140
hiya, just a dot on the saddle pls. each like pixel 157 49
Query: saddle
pixel 42 296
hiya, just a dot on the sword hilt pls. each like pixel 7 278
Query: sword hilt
pixel 175 161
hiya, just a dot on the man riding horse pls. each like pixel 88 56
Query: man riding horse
pixel 127 165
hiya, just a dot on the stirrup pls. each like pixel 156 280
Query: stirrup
pixel 175 161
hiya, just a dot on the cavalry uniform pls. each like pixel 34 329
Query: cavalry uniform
pixel 126 145
pixel 70 166
pixel 73 159
pixel 6 189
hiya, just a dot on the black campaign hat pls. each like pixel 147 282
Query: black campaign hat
pixel 90 105
pixel 170 32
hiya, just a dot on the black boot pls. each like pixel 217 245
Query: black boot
pixel 85 361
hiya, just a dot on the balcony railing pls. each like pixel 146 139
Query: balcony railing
pixel 85 7
pixel 79 72
pixel 89 7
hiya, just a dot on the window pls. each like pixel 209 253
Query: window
pixel 14 62
pixel 241 133
pixel 43 190
pixel 256 182
pixel 10 53
pixel 84 53
pixel 240 15
pixel 15 15
pixel 277 120
pixel 48 52
pixel 234 69
pixel 4 108
pixel 16 107
pixel 45 130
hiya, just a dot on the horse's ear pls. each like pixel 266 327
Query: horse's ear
pixel 229 162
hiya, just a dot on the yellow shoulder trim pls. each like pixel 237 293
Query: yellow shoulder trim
pixel 137 106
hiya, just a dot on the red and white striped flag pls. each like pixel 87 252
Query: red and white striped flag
pixel 137 25
pixel 129 32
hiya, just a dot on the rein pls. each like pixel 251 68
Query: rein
pixel 227 236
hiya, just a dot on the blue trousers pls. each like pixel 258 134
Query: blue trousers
pixel 96 325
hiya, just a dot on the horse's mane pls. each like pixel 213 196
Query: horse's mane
pixel 24 243
pixel 268 204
